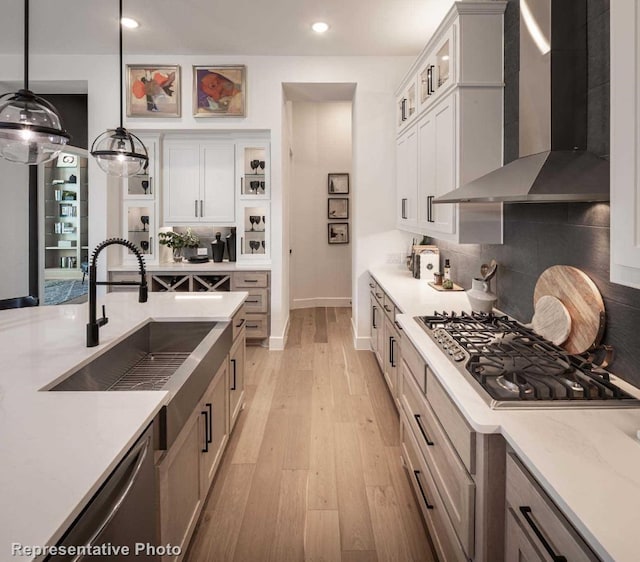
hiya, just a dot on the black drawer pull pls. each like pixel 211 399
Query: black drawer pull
pixel 398 325
pixel 391 357
pixel 526 513
pixel 239 324
pixel 205 413
pixel 421 428
pixel 233 362
pixel 375 323
pixel 257 301
pixel 250 280
pixel 372 285
pixel 386 307
pixel 378 295
pixel 253 326
pixel 416 473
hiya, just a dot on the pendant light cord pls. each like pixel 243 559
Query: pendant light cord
pixel 26 44
pixel 121 68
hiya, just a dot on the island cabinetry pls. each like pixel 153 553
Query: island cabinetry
pixel 236 376
pixel 463 470
pixel 536 529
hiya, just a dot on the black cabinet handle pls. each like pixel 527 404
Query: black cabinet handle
pixel 379 295
pixel 201 208
pixel 195 207
pixel 250 280
pixel 253 326
pixel 239 324
pixel 386 307
pixel 372 285
pixel 421 428
pixel 256 301
pixel 398 325
pixel 205 413
pixel 416 473
pixel 392 358
pixel 526 513
pixel 375 323
pixel 404 208
pixel 233 362
pixel 403 109
pixel 209 406
pixel 430 85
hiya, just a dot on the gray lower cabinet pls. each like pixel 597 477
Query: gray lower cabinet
pixel 186 471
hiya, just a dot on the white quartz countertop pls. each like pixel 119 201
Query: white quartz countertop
pixel 187 267
pixel 588 460
pixel 56 448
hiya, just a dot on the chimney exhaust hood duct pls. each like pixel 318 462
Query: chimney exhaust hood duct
pixel 554 164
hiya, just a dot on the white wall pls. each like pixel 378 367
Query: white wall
pixel 373 199
pixel 14 229
pixel 321 139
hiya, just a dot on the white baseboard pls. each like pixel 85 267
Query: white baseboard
pixel 360 343
pixel 331 302
pixel 277 343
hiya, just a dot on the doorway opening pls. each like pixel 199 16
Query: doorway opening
pixel 321 194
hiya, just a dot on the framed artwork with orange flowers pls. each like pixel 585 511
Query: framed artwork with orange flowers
pixel 153 90
pixel 219 91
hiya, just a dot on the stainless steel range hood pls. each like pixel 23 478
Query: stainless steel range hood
pixel 554 164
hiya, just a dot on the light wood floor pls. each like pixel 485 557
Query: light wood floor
pixel 313 471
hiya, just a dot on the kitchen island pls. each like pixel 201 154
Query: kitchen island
pixel 57 448
pixel 585 459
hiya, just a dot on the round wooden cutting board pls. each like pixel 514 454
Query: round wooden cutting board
pixel 551 320
pixel 579 294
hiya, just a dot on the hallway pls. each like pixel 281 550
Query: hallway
pixel 313 469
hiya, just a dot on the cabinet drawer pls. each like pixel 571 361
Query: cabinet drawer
pixel 416 365
pixel 539 518
pixel 376 290
pixel 251 279
pixel 453 422
pixel 257 301
pixel 389 307
pixel 257 325
pixel 238 322
pixel 455 486
pixel 441 530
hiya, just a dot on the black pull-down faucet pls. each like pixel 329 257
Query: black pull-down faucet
pixel 94 323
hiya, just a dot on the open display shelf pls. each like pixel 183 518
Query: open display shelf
pixel 205 283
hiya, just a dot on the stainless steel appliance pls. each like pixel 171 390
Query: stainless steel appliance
pixel 513 367
pixel 123 511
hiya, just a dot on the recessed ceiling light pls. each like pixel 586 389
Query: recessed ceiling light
pixel 320 27
pixel 129 23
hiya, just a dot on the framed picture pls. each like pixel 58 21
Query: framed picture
pixel 66 160
pixel 338 183
pixel 338 208
pixel 338 233
pixel 153 90
pixel 219 91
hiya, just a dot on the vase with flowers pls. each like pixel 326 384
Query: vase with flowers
pixel 177 241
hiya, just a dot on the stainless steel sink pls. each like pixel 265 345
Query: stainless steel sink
pixel 179 357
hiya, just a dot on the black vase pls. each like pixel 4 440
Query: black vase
pixel 231 245
pixel 217 248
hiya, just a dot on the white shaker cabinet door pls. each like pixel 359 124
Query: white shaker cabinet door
pixel 218 183
pixel 181 182
pixel 625 158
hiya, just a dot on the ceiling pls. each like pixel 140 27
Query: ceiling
pixel 237 27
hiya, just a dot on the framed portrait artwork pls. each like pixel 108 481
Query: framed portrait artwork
pixel 338 233
pixel 338 184
pixel 219 91
pixel 338 208
pixel 153 90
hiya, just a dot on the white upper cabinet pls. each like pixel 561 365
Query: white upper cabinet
pixel 199 181
pixel 625 145
pixel 457 126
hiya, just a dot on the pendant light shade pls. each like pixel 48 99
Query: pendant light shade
pixel 117 151
pixel 120 153
pixel 31 130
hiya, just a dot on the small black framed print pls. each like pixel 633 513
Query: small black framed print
pixel 338 233
pixel 338 184
pixel 338 208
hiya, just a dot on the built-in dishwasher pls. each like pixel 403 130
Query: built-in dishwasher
pixel 122 513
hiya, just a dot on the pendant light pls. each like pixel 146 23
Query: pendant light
pixel 30 128
pixel 117 151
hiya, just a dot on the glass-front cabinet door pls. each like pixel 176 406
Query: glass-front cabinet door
pixel 140 227
pixel 253 170
pixel 142 185
pixel 255 239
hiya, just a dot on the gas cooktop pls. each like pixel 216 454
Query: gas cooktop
pixel 513 367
